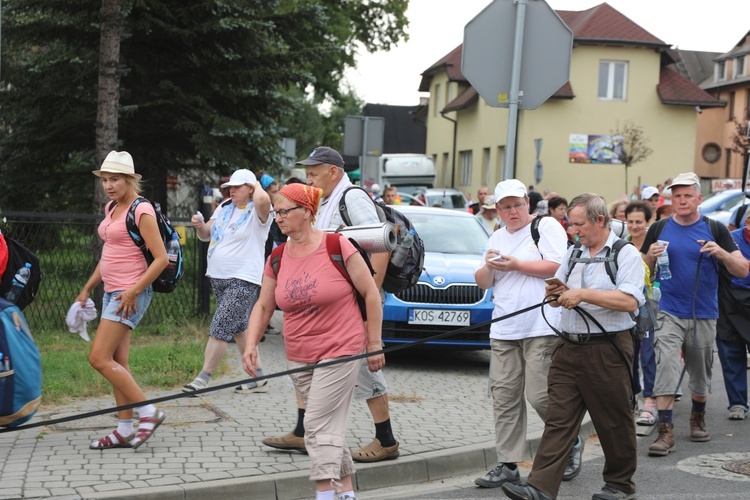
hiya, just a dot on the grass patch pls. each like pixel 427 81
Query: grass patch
pixel 161 360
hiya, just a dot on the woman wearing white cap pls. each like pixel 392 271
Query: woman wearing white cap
pixel 237 231
pixel 127 294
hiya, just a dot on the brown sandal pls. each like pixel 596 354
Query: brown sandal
pixel 141 435
pixel 106 442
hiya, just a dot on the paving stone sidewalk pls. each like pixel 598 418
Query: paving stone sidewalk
pixel 210 446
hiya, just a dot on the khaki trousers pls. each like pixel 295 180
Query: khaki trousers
pixel 326 394
pixel 518 367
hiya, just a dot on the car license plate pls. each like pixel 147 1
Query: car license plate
pixel 439 317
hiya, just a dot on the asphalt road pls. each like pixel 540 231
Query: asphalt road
pixel 694 471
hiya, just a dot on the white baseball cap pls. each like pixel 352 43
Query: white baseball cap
pixel 648 192
pixel 509 187
pixel 240 177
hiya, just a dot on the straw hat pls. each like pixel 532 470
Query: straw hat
pixel 118 162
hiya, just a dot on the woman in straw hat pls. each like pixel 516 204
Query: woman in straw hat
pixel 237 232
pixel 322 322
pixel 127 294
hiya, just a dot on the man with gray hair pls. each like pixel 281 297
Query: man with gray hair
pixel 325 170
pixel 697 247
pixel 590 369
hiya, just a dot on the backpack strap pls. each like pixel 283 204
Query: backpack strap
pixel 344 211
pixel 275 257
pixel 535 232
pixel 740 217
pixel 659 227
pixel 609 260
pixel 333 245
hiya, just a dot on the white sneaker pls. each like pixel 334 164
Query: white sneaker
pixel 737 413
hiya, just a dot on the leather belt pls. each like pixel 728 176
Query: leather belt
pixel 588 337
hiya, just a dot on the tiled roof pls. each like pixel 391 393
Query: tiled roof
pixel 604 24
pixel 741 48
pixel 464 100
pixel 676 89
pixel 451 63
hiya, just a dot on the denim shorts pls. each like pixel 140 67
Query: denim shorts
pixel 109 306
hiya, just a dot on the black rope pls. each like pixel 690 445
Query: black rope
pixel 346 359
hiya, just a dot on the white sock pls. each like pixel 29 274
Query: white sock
pixel 347 495
pixel 325 495
pixel 146 411
pixel 125 427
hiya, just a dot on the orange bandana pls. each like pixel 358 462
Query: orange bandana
pixel 303 195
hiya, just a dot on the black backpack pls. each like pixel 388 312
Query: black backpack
pixel 18 256
pixel 397 278
pixel 167 281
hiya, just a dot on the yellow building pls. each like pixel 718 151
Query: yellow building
pixel 619 75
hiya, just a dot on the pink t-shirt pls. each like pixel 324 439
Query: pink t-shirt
pixel 321 315
pixel 122 262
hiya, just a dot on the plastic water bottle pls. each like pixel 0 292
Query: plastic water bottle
pixel 656 292
pixel 19 282
pixel 663 261
pixel 173 251
pixel 402 250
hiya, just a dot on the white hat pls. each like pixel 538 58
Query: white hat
pixel 118 162
pixel 510 187
pixel 489 202
pixel 648 192
pixel 685 179
pixel 375 188
pixel 240 177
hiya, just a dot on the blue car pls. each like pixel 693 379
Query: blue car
pixel 446 298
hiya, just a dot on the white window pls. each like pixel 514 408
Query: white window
pixel 720 71
pixel 436 101
pixel 466 168
pixel 739 67
pixel 448 93
pixel 613 77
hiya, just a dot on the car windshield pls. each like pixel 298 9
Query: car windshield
pixel 454 235
pixel 446 200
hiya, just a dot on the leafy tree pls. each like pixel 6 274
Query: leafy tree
pixel 202 84
pixel 631 146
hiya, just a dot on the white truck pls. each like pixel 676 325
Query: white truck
pixel 400 169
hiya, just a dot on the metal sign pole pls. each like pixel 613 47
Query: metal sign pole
pixel 515 81
pixel 363 162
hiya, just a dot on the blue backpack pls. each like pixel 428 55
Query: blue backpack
pixel 20 368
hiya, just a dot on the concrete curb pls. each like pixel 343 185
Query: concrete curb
pixel 417 468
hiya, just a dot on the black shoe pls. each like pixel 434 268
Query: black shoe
pixel 497 476
pixel 524 491
pixel 575 460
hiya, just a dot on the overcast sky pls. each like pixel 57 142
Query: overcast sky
pixel 436 27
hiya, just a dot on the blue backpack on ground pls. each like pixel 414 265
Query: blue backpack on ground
pixel 167 281
pixel 20 368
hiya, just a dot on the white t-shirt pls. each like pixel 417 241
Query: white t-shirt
pixel 514 290
pixel 239 244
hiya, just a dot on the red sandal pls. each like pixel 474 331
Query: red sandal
pixel 106 442
pixel 141 435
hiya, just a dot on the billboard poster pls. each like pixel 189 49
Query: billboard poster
pixel 597 149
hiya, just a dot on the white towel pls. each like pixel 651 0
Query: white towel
pixel 78 317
